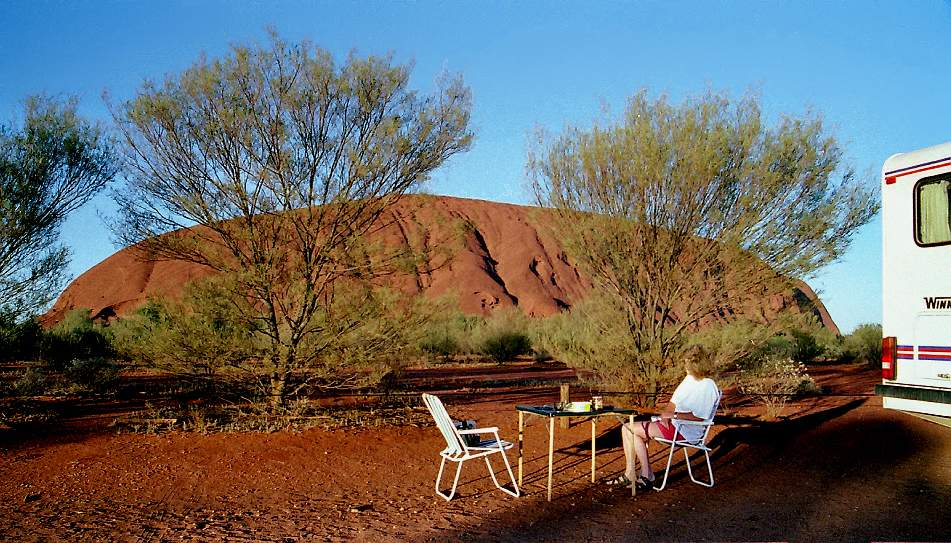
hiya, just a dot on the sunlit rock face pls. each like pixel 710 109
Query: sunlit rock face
pixel 494 256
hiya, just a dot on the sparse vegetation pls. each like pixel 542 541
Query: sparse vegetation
pixel 774 380
pixel 49 167
pixel 864 344
pixel 296 415
pixel 284 204
pixel 504 346
pixel 682 212
pixel 95 374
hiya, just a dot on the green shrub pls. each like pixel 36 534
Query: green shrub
pixel 864 344
pixel 76 336
pixel 772 381
pixel 33 382
pixel 592 336
pixel 96 374
pixel 806 347
pixel 780 346
pixel 504 346
pixel 195 338
pixel 441 344
pixel 448 332
pixel 733 343
pixel 832 344
pixel 19 340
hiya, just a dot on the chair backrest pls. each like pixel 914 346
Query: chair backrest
pixel 438 410
pixel 713 413
pixel 716 405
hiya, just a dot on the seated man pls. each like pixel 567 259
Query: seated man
pixel 693 399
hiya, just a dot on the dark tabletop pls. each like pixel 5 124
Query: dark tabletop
pixel 552 411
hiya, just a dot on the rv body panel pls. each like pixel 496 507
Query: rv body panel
pixel 916 277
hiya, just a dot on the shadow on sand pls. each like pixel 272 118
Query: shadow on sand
pixel 795 480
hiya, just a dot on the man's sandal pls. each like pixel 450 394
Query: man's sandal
pixel 621 481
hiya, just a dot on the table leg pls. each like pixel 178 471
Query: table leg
pixel 521 426
pixel 593 448
pixel 551 451
pixel 631 426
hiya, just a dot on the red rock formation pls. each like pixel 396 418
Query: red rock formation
pixel 504 260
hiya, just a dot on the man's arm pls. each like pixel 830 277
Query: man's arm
pixel 670 412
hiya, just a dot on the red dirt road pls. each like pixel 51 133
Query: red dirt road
pixel 838 469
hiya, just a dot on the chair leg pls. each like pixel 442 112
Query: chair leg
pixel 454 482
pixel 508 467
pixel 670 459
pixel 488 466
pixel 709 469
pixel 496 481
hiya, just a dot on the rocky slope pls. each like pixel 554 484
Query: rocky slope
pixel 500 258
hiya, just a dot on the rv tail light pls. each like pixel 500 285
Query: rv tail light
pixel 889 357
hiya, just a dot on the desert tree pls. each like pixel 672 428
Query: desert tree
pixel 689 213
pixel 52 164
pixel 271 166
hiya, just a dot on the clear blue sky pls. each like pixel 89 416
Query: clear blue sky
pixel 878 71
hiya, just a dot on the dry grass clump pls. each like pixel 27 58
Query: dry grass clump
pixel 297 415
pixel 773 381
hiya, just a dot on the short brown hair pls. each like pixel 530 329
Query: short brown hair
pixel 698 362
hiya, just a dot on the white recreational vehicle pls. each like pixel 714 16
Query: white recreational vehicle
pixel 916 281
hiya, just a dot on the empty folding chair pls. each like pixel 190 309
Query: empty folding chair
pixel 457 450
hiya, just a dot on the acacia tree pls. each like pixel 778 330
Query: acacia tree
pixel 683 213
pixel 49 167
pixel 279 162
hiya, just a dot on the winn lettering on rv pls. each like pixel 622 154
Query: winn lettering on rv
pixel 937 302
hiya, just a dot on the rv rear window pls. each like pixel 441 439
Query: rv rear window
pixel 933 211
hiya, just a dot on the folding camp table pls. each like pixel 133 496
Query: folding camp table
pixel 552 412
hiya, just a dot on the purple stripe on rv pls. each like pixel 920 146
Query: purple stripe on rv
pixel 899 170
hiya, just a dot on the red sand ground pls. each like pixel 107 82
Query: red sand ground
pixel 839 468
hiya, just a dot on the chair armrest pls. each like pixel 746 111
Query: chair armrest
pixel 680 422
pixel 490 429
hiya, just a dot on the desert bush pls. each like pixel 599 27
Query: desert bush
pixel 19 340
pixel 733 343
pixel 449 332
pixel 363 335
pixel 800 337
pixel 593 336
pixel 440 344
pixel 864 344
pixel 96 374
pixel 75 337
pixel 33 382
pixel 199 338
pixel 504 346
pixel 504 333
pixel 772 381
pixel 832 344
pixel 806 347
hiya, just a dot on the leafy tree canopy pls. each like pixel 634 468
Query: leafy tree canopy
pixel 688 212
pixel 284 160
pixel 50 166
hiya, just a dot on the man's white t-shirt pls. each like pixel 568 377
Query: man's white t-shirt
pixel 696 396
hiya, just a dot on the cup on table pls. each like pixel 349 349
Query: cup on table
pixel 597 403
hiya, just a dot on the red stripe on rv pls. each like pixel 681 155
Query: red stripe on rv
pixel 891 179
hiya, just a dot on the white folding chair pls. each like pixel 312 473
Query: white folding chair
pixel 458 451
pixel 700 444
